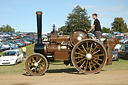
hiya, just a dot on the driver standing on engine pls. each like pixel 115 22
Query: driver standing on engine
pixel 97 26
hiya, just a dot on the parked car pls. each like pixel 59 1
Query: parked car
pixel 115 52
pixel 16 43
pixel 120 38
pixel 123 53
pixel 6 47
pixel 11 57
pixel 12 37
pixel 1 49
pixel 2 39
pixel 7 37
pixel 12 46
pixel 4 34
pixel 115 55
pixel 18 37
pixel 24 41
pixel 110 36
pixel 29 38
pixel 125 40
pixel 32 40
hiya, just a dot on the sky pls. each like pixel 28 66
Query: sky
pixel 20 14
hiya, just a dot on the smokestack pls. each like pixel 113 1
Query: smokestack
pixel 39 27
pixel 39 46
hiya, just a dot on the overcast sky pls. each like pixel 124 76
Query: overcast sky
pixel 20 14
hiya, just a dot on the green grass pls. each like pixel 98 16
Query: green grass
pixel 117 65
pixel 57 67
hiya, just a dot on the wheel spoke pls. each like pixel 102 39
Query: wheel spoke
pixel 96 52
pixel 80 50
pixel 78 57
pixel 37 58
pixel 80 54
pixel 33 60
pixel 41 65
pixel 97 55
pixel 90 66
pixel 94 48
pixel 87 45
pixel 91 47
pixel 84 48
pixel 82 64
pixel 35 69
pixel 93 64
pixel 81 60
pixel 98 59
pixel 39 68
pixel 86 65
pixel 31 64
pixel 96 62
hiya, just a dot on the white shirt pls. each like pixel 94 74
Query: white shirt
pixel 24 49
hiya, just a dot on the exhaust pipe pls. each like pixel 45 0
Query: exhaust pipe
pixel 39 27
pixel 39 46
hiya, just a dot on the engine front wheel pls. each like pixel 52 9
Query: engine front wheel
pixel 89 56
pixel 36 64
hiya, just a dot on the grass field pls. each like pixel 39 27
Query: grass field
pixel 57 67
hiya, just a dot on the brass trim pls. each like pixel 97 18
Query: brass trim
pixel 59 47
pixel 45 51
pixel 63 47
pixel 39 12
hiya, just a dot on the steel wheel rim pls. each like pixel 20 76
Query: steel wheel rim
pixel 93 64
pixel 36 64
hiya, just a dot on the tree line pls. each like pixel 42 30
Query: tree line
pixel 7 28
pixel 79 19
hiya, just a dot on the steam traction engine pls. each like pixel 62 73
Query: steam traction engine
pixel 85 54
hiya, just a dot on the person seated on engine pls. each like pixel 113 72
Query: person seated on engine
pixel 54 30
pixel 97 26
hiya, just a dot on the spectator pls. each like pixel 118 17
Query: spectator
pixel 24 51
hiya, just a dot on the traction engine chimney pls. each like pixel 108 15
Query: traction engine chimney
pixel 39 46
pixel 39 27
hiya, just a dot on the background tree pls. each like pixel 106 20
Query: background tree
pixel 119 25
pixel 7 28
pixel 64 30
pixel 78 19
pixel 106 30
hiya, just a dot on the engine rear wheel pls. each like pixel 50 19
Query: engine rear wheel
pixel 36 64
pixel 89 56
